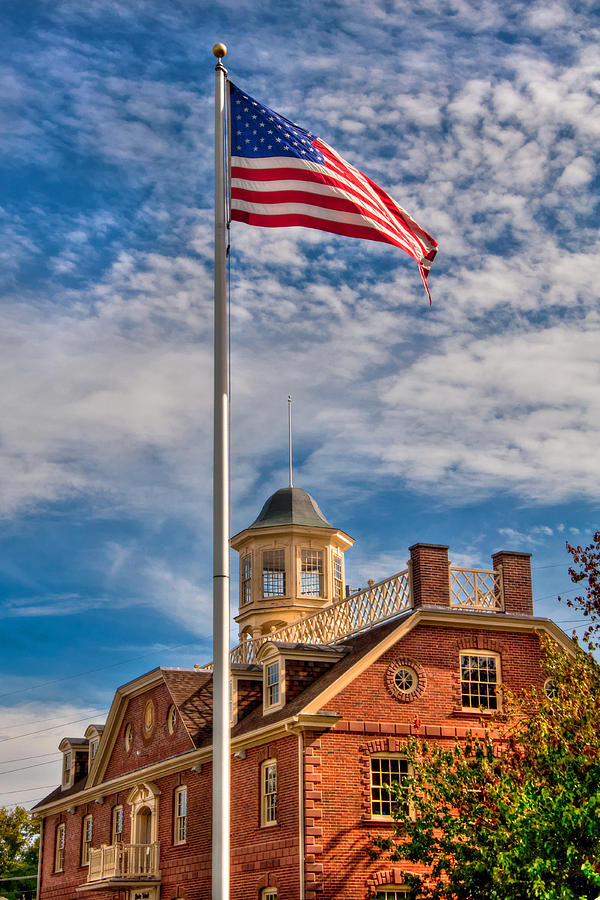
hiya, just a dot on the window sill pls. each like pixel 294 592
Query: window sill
pixel 474 713
pixel 180 843
pixel 269 824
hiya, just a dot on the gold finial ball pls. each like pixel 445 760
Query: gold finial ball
pixel 219 50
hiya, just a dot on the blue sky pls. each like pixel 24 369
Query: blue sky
pixel 473 422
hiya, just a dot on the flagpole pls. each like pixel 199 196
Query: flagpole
pixel 221 755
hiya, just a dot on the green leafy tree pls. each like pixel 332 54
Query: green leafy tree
pixel 19 848
pixel 514 815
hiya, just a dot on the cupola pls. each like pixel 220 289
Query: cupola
pixel 291 563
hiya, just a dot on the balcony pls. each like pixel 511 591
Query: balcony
pixel 128 863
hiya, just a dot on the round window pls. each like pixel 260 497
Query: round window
pixel 406 680
pixel 149 716
pixel 171 719
pixel 550 688
pixel 128 738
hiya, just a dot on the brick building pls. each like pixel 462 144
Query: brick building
pixel 325 688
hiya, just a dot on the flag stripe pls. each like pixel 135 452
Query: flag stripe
pixel 330 208
pixel 271 191
pixel 298 218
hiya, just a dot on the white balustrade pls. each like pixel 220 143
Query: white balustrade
pixel 123 861
pixel 476 589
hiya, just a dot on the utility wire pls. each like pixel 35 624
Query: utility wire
pixel 4 762
pixel 99 669
pixel 39 787
pixel 51 728
pixel 49 762
pixel 49 719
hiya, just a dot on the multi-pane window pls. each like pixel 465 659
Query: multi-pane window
pixel 385 771
pixel 86 840
pixel 392 893
pixel 338 577
pixel 268 893
pixel 269 792
pixel 117 825
pixel 272 684
pixel 479 680
pixel 273 573
pixel 59 849
pixel 311 573
pixel 67 764
pixel 246 580
pixel 93 749
pixel 180 822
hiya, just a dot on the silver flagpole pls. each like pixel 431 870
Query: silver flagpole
pixel 221 756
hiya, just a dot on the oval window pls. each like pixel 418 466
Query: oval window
pixel 149 716
pixel 406 680
pixel 171 719
pixel 128 738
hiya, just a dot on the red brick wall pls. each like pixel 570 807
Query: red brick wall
pixel 260 856
pixel 299 673
pixel 373 721
pixel 249 696
pixel 147 748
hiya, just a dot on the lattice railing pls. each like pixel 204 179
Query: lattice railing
pixel 123 860
pixel 478 589
pixel 346 617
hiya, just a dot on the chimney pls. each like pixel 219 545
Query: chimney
pixel 516 579
pixel 430 575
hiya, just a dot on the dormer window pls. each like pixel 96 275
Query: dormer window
pixel 273 573
pixel 311 575
pixel 272 685
pixel 93 749
pixel 246 580
pixel 67 768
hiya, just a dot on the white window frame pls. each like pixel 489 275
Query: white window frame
pixel 391 892
pixel 60 836
pixel 171 719
pixel 180 798
pixel 270 705
pixel 400 757
pixel 271 595
pixel 94 748
pixel 116 837
pixel 337 559
pixel 268 796
pixel 246 579
pixel 87 826
pixel 268 893
pixel 488 654
pixel 67 773
pixel 305 551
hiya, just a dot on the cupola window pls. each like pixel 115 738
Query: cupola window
pixel 311 575
pixel 273 573
pixel 338 577
pixel 246 586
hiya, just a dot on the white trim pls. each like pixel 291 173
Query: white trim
pixel 265 807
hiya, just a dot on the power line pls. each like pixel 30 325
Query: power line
pixel 51 728
pixel 24 758
pixel 39 787
pixel 37 721
pixel 49 762
pixel 98 669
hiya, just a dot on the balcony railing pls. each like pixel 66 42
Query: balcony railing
pixel 478 590
pixel 123 861
pixel 346 617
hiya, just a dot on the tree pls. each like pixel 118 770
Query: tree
pixel 515 814
pixel 19 847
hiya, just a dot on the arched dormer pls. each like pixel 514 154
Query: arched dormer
pixel 291 563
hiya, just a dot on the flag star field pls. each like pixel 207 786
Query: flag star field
pixel 472 422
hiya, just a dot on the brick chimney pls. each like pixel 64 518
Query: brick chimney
pixel 516 578
pixel 430 574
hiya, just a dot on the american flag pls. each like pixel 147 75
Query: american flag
pixel 282 174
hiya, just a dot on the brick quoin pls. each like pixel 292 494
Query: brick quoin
pixel 430 574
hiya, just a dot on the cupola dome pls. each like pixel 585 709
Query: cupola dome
pixel 290 506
